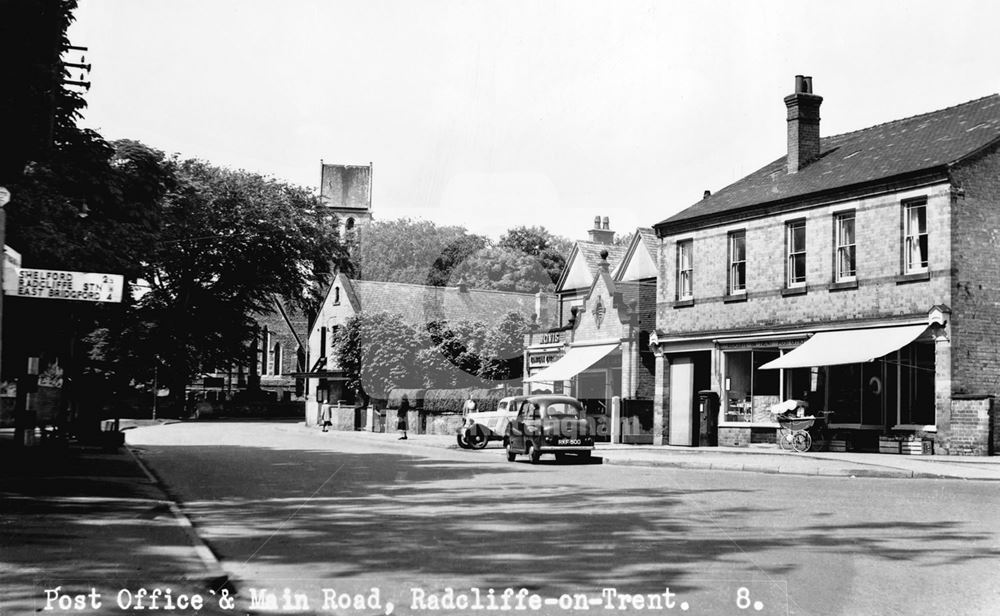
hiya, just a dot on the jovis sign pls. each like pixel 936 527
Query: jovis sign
pixel 55 284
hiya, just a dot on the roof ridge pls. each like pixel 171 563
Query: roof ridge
pixel 912 117
pixel 428 286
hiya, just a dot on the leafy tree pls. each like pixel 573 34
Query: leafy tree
pixel 550 250
pixel 37 112
pixel 379 351
pixel 412 251
pixel 229 242
pixel 624 239
pixel 503 269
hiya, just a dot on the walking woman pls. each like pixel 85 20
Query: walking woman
pixel 404 406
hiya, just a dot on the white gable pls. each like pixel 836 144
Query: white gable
pixel 579 276
pixel 641 265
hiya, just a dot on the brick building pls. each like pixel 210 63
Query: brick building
pixel 857 272
pixel 599 350
pixel 418 305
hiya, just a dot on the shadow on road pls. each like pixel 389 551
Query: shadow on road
pixel 350 517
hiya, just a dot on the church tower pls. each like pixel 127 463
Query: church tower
pixel 346 192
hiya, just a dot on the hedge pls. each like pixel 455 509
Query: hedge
pixel 415 397
pixel 453 400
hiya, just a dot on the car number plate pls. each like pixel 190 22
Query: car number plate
pixel 569 441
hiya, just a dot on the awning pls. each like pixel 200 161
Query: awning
pixel 847 346
pixel 575 361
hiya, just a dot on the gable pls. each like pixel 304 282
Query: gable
pixel 639 263
pixel 578 274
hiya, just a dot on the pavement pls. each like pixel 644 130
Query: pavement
pixel 82 521
pixel 756 458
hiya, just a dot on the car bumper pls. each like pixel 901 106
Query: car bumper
pixel 570 448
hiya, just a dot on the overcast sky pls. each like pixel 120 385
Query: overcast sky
pixel 491 114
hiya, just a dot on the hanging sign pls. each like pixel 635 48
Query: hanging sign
pixel 80 286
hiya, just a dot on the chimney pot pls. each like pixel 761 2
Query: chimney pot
pixel 602 233
pixel 707 194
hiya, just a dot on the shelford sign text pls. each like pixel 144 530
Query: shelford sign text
pixel 80 286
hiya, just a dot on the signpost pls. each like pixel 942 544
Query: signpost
pixel 57 284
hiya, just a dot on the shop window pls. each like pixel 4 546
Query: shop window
pixel 795 245
pixel 916 384
pixel 685 270
pixel 915 257
pixel 737 279
pixel 750 391
pixel 845 258
pixel 845 393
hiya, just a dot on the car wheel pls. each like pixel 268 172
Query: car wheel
pixel 510 453
pixel 534 454
pixel 463 442
pixel 478 437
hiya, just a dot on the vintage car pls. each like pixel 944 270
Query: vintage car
pixel 549 424
pixel 479 428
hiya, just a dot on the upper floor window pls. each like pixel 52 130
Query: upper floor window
pixel 915 237
pixel 846 264
pixel 685 270
pixel 737 282
pixel 336 295
pixel 795 242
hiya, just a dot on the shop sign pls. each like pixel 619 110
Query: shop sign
pixel 542 359
pixel 551 338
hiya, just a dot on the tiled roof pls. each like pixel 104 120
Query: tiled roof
pixel 419 304
pixel 914 144
pixel 591 253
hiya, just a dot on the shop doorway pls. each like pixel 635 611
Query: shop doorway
pixel 689 374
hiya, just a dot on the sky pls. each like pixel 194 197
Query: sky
pixel 494 114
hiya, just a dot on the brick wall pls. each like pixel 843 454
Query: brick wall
pixel 975 305
pixel 879 262
pixel 971 420
pixel 734 437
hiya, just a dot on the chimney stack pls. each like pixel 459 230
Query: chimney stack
pixel 803 124
pixel 602 233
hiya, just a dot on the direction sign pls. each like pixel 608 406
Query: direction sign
pixel 80 286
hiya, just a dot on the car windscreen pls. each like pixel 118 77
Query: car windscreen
pixel 561 409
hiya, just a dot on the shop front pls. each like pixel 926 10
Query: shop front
pixel 590 372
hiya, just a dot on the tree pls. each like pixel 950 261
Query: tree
pixel 229 242
pixel 503 269
pixel 379 351
pixel 550 250
pixel 412 251
pixel 37 113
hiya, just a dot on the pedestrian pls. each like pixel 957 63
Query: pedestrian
pixel 325 418
pixel 404 406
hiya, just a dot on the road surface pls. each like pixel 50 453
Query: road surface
pixel 330 517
